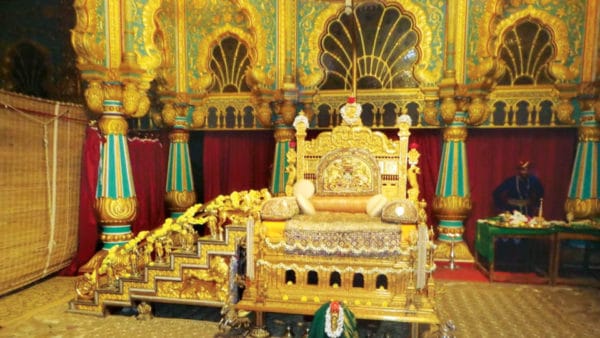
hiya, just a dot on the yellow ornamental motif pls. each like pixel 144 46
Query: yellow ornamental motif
pixel 94 96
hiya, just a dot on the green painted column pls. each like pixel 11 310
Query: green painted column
pixel 582 200
pixel 284 135
pixel 180 194
pixel 452 202
pixel 116 203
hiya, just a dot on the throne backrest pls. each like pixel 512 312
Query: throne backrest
pixel 348 171
pixel 372 159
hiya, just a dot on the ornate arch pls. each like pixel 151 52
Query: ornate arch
pixel 416 12
pixel 493 26
pixel 250 36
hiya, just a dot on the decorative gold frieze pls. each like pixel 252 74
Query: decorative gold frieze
pixel 452 207
pixel 179 136
pixel 115 210
pixel 582 208
pixel 455 134
pixel 116 237
pixel 180 200
pixel 452 231
pixel 284 134
pixel 113 125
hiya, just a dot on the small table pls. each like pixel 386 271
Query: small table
pixel 489 231
pixel 573 232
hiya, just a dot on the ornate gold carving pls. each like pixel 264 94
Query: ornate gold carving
pixel 284 134
pixel 452 207
pixel 115 210
pixel 131 98
pixel 564 111
pixel 94 96
pixel 113 90
pixel 478 112
pixel 86 39
pixel 113 125
pixel 168 114
pixel 151 59
pixel 430 113
pixel 451 230
pixel 180 200
pixel 589 134
pixel 199 117
pixel 462 253
pixel 448 109
pixel 348 171
pixel 492 27
pixel 581 209
pixel 179 136
pixel 210 284
pixel 288 112
pixel 116 237
pixel 455 134
pixel 263 113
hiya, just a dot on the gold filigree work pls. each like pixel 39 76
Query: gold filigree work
pixel 116 210
pixel 452 207
pixel 113 125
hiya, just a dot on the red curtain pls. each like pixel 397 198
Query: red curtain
pixel 88 231
pixel 235 161
pixel 148 165
pixel 493 155
pixel 149 169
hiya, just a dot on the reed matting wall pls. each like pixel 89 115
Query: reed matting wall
pixel 41 144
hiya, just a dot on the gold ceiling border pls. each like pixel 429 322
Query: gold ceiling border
pixel 254 36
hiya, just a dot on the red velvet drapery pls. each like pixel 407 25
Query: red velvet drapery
pixel 148 165
pixel 235 161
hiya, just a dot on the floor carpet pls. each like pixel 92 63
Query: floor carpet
pixel 478 309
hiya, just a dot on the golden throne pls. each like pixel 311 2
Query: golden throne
pixel 348 230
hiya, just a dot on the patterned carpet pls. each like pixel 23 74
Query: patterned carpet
pixel 477 309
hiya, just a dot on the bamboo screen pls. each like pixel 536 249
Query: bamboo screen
pixel 41 145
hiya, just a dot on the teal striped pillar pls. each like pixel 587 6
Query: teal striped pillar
pixel 281 174
pixel 116 203
pixel 452 202
pixel 180 194
pixel 582 200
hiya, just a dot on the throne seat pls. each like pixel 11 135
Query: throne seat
pixel 341 234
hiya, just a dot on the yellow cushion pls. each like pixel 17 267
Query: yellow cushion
pixel 305 188
pixel 400 211
pixel 305 205
pixel 279 208
pixel 355 204
pixel 375 205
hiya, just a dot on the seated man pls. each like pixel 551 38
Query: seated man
pixel 521 192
